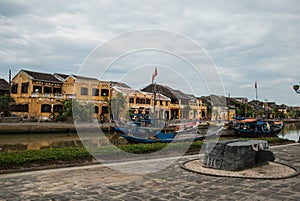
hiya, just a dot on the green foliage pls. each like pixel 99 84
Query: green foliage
pixel 65 112
pixel 25 157
pixel 74 109
pixel 117 105
pixel 245 110
pixel 28 157
pixel 83 112
pixel 5 100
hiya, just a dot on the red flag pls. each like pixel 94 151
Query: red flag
pixel 154 74
pixel 255 85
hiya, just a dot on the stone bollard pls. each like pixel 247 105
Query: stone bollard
pixel 237 154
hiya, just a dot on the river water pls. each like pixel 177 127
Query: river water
pixel 291 132
pixel 13 142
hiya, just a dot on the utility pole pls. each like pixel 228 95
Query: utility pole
pixel 9 91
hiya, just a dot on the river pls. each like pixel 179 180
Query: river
pixel 13 142
pixel 290 131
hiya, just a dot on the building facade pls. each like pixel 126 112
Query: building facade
pixel 4 87
pixel 140 102
pixel 182 106
pixel 38 95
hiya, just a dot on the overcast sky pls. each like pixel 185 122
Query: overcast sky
pixel 246 40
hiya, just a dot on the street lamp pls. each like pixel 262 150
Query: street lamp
pixel 296 88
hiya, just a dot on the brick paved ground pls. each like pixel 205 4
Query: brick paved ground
pixel 173 183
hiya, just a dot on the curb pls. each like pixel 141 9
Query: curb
pixel 297 172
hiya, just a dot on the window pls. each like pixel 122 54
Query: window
pixel 131 100
pixel 57 108
pixel 104 92
pixel 19 108
pixel 14 89
pixel 143 101
pixel 96 109
pixel 45 108
pixel 24 88
pixel 184 102
pixel 84 91
pixel 24 108
pixel 148 101
pixel 37 89
pixel 57 90
pixel 48 90
pixel 161 102
pixel 174 101
pixel 95 92
pixel 138 101
pixel 105 110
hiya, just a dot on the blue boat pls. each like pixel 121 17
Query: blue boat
pixel 164 139
pixel 253 127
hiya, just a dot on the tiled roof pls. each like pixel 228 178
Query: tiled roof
pixel 215 100
pixel 120 84
pixel 167 91
pixel 61 76
pixel 86 78
pixel 46 77
pixel 129 91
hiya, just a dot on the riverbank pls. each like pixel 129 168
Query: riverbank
pixel 59 127
pixel 26 160
pixel 46 127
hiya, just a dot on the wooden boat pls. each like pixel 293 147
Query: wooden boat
pixel 162 138
pixel 252 127
pixel 187 127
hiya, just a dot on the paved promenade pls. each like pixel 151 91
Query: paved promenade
pixel 99 182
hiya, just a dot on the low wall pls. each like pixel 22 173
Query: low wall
pixel 35 127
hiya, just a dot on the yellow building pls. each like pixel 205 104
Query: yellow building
pixel 202 110
pixel 139 102
pixel 87 90
pixel 182 106
pixel 38 95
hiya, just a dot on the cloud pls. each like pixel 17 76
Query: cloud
pixel 247 40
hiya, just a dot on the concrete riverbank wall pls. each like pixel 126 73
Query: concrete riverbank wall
pixel 39 127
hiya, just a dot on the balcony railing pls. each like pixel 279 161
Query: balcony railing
pixel 46 95
pixel 71 96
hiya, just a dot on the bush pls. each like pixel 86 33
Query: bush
pixel 25 157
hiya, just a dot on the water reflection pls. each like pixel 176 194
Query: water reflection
pixel 290 131
pixel 14 142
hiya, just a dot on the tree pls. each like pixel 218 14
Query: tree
pixel 76 110
pixel 241 111
pixel 117 104
pixel 64 113
pixel 5 101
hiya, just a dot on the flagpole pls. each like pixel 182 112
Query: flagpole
pixel 154 93
pixel 256 97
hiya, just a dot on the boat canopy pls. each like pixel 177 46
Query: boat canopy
pixel 248 120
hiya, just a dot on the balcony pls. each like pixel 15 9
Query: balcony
pixel 58 96
pixel 46 95
pixel 70 96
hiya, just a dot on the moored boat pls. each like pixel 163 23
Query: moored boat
pixel 163 138
pixel 252 127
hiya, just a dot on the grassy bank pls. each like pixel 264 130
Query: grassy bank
pixel 67 155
